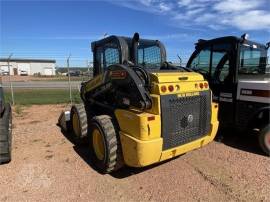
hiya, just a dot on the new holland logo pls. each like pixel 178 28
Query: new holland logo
pixel 188 94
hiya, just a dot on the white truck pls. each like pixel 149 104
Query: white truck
pixel 238 73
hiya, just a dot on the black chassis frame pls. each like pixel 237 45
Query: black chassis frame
pixel 241 118
pixel 2 102
pixel 124 45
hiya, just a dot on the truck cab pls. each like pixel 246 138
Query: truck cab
pixel 237 70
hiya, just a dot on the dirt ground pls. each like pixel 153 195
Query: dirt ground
pixel 46 166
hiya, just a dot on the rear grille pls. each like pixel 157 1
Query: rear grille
pixel 185 119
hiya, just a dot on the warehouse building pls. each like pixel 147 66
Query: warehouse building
pixel 27 67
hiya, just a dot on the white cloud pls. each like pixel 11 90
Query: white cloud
pixel 184 2
pixel 236 5
pixel 164 7
pixel 194 11
pixel 213 14
pixel 252 20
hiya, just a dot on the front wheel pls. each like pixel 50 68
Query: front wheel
pixel 104 144
pixel 264 139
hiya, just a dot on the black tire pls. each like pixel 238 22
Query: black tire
pixel 6 135
pixel 264 136
pixel 112 159
pixel 79 135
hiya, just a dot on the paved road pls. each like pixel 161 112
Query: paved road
pixel 43 84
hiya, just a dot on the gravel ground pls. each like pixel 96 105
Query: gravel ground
pixel 46 166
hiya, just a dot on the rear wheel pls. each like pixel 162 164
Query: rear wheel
pixel 6 135
pixel 104 145
pixel 264 139
pixel 79 124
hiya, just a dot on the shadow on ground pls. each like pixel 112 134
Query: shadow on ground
pixel 84 152
pixel 229 137
pixel 247 142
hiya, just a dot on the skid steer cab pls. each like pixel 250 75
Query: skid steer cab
pixel 237 70
pixel 139 109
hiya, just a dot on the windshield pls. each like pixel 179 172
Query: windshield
pixel 149 56
pixel 253 60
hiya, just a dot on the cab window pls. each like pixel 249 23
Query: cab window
pixel 106 56
pixel 252 60
pixel 149 56
pixel 111 56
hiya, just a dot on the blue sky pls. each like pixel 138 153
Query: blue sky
pixel 53 29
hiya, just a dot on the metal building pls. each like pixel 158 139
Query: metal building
pixel 27 67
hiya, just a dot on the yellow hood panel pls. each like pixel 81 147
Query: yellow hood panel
pixel 168 77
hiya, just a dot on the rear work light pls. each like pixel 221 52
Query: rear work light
pixel 151 118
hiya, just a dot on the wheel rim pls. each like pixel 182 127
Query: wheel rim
pixel 98 144
pixel 267 140
pixel 76 124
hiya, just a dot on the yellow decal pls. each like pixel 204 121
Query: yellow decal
pixel 188 94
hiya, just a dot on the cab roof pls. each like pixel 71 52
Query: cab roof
pixel 121 39
pixel 227 39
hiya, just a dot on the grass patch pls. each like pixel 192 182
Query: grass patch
pixel 18 109
pixel 41 96
pixel 60 78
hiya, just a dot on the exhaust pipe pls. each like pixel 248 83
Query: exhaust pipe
pixel 134 45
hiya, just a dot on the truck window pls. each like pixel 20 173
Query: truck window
pixel 220 62
pixel 202 60
pixel 252 60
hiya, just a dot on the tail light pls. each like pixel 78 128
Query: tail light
pixel 206 85
pixel 163 89
pixel 201 85
pixel 171 88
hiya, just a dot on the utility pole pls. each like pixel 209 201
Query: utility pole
pixel 87 65
pixel 10 82
pixel 69 83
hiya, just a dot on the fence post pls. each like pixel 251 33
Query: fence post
pixel 69 83
pixel 10 82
